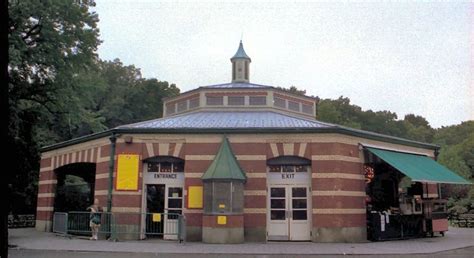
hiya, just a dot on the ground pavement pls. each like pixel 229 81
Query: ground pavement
pixel 32 240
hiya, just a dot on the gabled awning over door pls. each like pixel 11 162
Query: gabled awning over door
pixel 418 167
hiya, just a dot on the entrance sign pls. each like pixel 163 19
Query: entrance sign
pixel 165 175
pixel 127 172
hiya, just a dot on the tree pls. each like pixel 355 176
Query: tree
pixel 5 137
pixel 50 43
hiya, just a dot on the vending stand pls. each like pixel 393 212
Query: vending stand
pixel 403 197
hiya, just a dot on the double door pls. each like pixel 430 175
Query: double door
pixel 289 217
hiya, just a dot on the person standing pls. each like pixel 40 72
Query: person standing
pixel 95 218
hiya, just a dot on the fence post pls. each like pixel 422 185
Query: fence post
pixel 113 231
pixel 182 229
pixel 66 222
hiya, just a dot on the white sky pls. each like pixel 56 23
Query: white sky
pixel 403 57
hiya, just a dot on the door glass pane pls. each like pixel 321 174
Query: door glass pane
pixel 299 203
pixel 299 192
pixel 175 203
pixel 300 215
pixel 277 215
pixel 277 192
pixel 172 214
pixel 175 192
pixel 277 203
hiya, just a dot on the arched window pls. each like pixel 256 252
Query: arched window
pixel 288 164
pixel 165 164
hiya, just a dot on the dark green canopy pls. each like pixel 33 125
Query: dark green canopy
pixel 225 165
pixel 419 168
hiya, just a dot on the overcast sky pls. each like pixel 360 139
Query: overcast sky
pixel 402 57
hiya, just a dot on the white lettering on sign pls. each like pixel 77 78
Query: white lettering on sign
pixel 159 175
pixel 287 175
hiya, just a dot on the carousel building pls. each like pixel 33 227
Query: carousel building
pixel 249 162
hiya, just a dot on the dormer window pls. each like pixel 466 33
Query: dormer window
pixel 257 101
pixel 215 100
pixel 295 106
pixel 194 103
pixel 236 100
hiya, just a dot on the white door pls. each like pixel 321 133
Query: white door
pixel 173 205
pixel 288 217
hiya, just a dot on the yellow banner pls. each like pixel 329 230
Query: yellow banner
pixel 195 197
pixel 127 172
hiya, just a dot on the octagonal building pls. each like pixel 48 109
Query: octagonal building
pixel 240 162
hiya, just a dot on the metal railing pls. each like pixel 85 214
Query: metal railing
pixel 122 225
pixel 21 220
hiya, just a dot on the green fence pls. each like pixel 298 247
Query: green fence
pixel 122 225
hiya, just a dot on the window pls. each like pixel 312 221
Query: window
pixel 223 197
pixel 279 102
pixel 233 71
pixel 295 106
pixel 246 70
pixel 236 100
pixel 288 168
pixel 165 167
pixel 274 169
pixel 308 109
pixel 288 164
pixel 301 168
pixel 153 167
pixel 194 103
pixel 178 167
pixel 257 101
pixel 215 101
pixel 183 105
pixel 170 108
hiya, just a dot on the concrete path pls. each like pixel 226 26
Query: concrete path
pixel 33 240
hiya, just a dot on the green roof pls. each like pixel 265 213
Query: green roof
pixel 241 53
pixel 418 167
pixel 225 165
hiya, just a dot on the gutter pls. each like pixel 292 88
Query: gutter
pixel 333 129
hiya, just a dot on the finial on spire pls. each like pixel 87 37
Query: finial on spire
pixel 240 65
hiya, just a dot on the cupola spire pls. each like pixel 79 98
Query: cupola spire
pixel 240 65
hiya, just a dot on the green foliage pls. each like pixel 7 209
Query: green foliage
pixel 457 142
pixel 73 194
pixel 50 42
pixel 59 89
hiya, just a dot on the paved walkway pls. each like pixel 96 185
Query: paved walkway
pixel 31 239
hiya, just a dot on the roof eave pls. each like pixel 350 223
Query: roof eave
pixel 334 129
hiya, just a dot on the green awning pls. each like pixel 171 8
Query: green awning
pixel 225 165
pixel 418 167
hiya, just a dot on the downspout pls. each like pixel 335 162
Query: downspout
pixel 113 141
